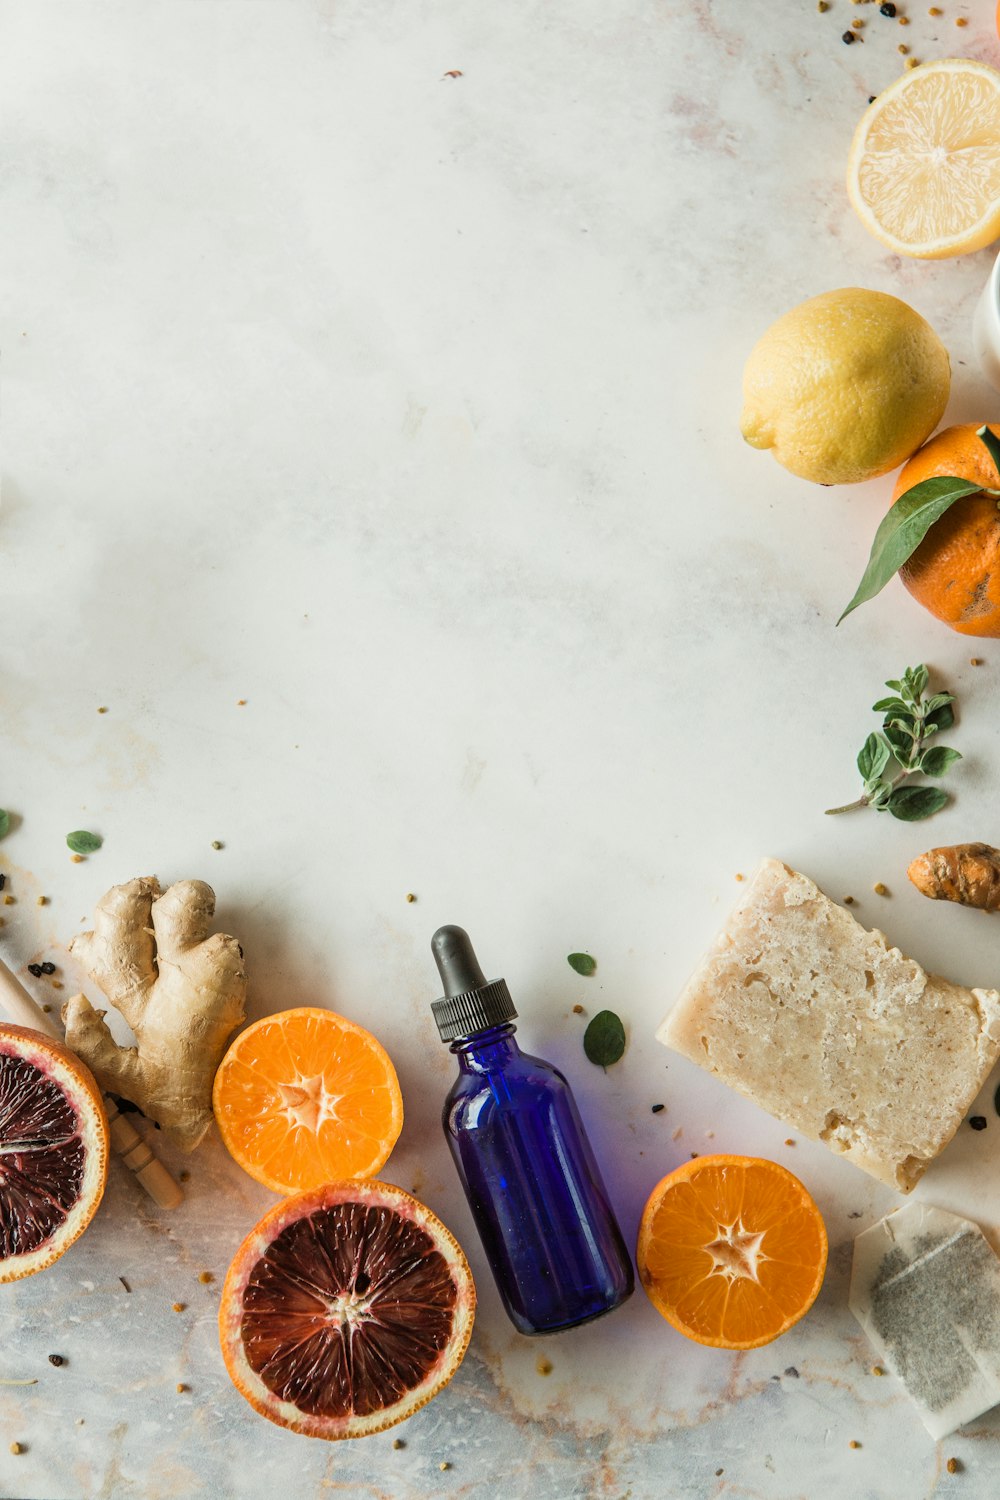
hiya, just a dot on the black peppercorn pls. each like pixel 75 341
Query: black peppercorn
pixel 848 37
pixel 658 1108
pixel 978 1122
pixel 35 969
pixel 48 968
pixel 888 9
pixel 56 1359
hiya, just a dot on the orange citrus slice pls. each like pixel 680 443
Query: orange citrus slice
pixel 53 1150
pixel 307 1097
pixel 924 169
pixel 346 1310
pixel 732 1250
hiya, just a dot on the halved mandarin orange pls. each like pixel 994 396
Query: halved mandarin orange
pixel 732 1250
pixel 307 1097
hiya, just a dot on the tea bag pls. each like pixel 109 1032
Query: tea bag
pixel 925 1287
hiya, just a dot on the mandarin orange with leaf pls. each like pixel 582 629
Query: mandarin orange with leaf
pixel 955 572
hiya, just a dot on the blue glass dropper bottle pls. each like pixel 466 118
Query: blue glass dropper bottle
pixel 528 1170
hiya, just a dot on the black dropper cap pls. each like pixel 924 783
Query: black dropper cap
pixel 471 1002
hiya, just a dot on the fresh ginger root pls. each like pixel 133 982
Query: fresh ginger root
pixel 181 991
pixel 969 873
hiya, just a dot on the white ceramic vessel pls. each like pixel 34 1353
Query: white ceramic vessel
pixel 986 327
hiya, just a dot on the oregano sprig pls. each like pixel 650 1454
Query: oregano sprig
pixel 890 758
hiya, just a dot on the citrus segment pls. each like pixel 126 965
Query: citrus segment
pixel 924 168
pixel 955 572
pixel 732 1250
pixel 346 1310
pixel 53 1150
pixel 307 1097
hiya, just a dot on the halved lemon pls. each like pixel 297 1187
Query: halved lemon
pixel 924 169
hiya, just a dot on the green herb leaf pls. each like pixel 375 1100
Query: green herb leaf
pixel 937 700
pixel 82 842
pixel 992 443
pixel 902 530
pixel 890 706
pixel 582 962
pixel 604 1039
pixel 941 718
pixel 936 760
pixel 873 757
pixel 4 822
pixel 914 682
pixel 911 804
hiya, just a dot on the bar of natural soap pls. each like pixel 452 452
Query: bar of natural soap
pixel 925 1287
pixel 824 1025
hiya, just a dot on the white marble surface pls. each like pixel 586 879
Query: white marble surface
pixel 404 407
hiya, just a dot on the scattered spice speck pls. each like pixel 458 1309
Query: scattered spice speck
pixel 47 1009
pixel 854 1443
pixel 453 73
pixel 848 900
pixel 241 703
pixel 178 1306
pixel 953 1466
pixel 738 876
pixel 978 1122
pixel 41 900
pixel 792 1371
pixel 877 1370
pixel 410 897
pixel 821 6
pixel 880 888
pixel 184 1175
pixel 48 968
pixel 57 984
pixel 8 900
pixel 975 661
pixel 789 1142
pixel 903 48
pixel 578 1010
pixel 444 1464
pixel 543 1365
pixel 103 709
pixel 887 10
pixel 216 843
pixel 57 1360
pixel 76 859
pixel 657 1109
pixel 16 1448
pixel 124 1283
pixel 181 1388
pixel 913 62
pixel 36 970
pixel 961 20
pixel 398 1443
pixel 206 1277
pixel 857 24
pixel 848 37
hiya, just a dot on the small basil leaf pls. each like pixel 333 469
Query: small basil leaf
pixel 900 533
pixel 911 804
pixel 873 757
pixel 582 962
pixel 936 760
pixel 937 701
pixel 4 822
pixel 604 1039
pixel 82 842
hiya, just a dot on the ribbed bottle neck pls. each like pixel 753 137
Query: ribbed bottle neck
pixel 488 1048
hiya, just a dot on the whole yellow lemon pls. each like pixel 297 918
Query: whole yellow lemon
pixel 845 386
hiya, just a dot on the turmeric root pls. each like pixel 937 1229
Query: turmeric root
pixel 969 873
pixel 181 992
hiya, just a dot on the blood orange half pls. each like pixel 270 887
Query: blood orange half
pixel 346 1310
pixel 53 1150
